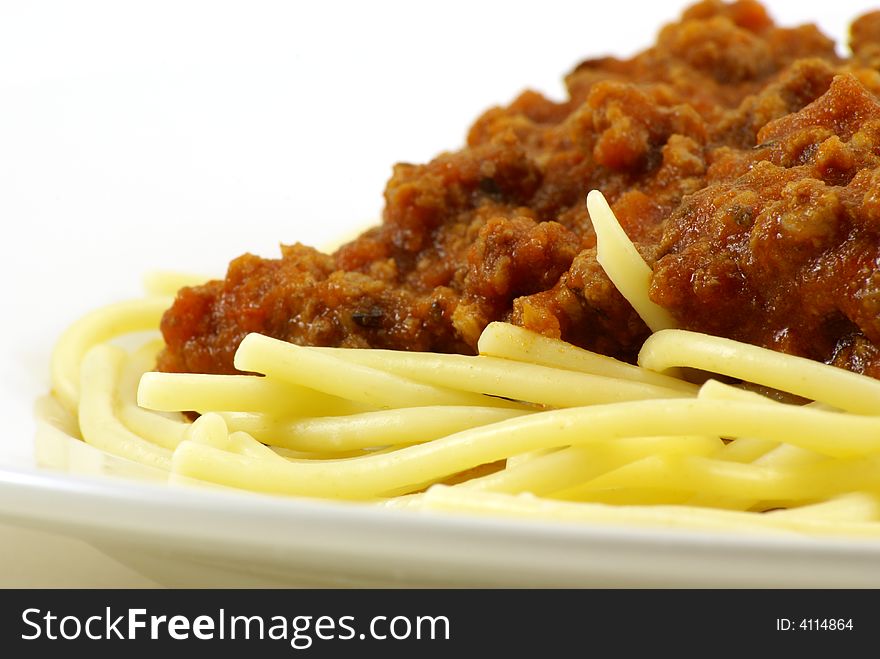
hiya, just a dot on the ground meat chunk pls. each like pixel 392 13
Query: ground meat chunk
pixel 511 258
pixel 742 158
pixel 864 39
pixel 303 298
pixel 785 255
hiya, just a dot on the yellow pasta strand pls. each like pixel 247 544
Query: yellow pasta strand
pixel 533 383
pixel 211 430
pixel 323 371
pixel 101 369
pixel 517 460
pixel 511 342
pixel 441 498
pixel 749 481
pixel 803 377
pixel 413 467
pixel 166 431
pixel 555 472
pixel 853 507
pixel 748 449
pixel 180 392
pixel 92 329
pixel 412 425
pixel 623 264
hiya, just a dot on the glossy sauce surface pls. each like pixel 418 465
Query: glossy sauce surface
pixel 742 158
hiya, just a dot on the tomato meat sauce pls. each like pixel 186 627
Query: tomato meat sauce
pixel 742 159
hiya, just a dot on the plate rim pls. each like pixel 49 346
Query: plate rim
pixel 43 484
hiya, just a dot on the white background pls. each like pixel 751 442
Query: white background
pixel 147 135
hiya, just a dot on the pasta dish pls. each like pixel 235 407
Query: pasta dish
pixel 656 302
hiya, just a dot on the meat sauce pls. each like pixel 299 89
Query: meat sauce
pixel 742 158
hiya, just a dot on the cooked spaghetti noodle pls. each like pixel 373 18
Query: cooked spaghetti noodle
pixel 532 427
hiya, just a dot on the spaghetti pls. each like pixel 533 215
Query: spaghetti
pixel 531 427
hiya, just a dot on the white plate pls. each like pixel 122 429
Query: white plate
pixel 129 133
pixel 184 534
